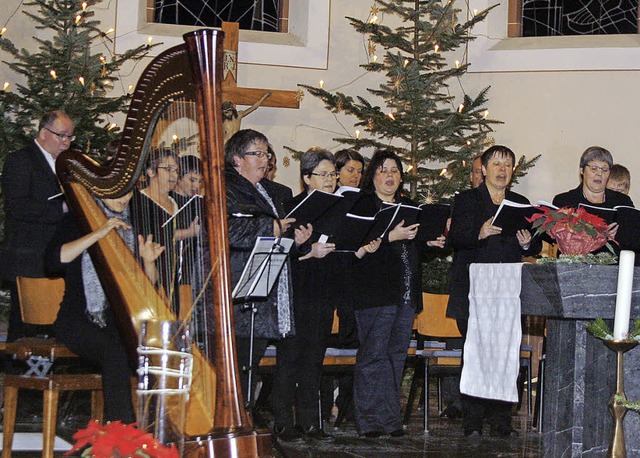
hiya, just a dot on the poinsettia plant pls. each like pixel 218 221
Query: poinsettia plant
pixel 116 439
pixel 577 231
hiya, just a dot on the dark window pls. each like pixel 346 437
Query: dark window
pixel 541 18
pixel 263 15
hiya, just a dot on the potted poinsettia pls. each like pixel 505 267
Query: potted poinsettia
pixel 116 439
pixel 576 231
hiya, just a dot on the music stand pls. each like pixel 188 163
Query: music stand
pixel 257 280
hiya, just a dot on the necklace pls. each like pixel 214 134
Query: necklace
pixel 497 200
pixel 604 198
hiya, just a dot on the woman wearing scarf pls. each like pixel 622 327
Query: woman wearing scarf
pixel 85 322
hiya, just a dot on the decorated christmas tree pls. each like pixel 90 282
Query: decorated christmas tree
pixel 434 132
pixel 73 70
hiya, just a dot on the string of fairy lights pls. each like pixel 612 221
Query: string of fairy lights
pixel 376 16
pixel 107 36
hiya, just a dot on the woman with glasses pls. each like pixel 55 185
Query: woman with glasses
pixel 595 168
pixel 254 210
pixel 388 292
pixel 299 359
pixel 153 212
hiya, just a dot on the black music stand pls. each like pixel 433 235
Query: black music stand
pixel 257 280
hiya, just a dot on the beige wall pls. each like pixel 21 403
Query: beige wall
pixel 553 113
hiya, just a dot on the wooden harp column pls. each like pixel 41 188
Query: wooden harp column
pixel 233 434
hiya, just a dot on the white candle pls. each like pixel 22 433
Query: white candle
pixel 623 297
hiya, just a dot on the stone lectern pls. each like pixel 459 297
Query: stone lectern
pixel 580 370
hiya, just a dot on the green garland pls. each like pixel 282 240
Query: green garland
pixel 600 330
pixel 600 258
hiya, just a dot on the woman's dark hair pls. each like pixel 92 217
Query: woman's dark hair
pixel 310 160
pixel 157 155
pixel 497 150
pixel 376 162
pixel 238 144
pixel 345 155
pixel 595 153
pixel 189 164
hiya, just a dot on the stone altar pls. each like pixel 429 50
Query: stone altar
pixel 580 370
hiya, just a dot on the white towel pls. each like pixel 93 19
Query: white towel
pixel 492 346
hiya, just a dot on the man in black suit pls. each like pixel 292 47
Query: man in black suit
pixel 33 205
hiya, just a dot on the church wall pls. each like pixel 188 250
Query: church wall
pixel 554 113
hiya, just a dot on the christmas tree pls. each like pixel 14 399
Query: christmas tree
pixel 420 121
pixel 68 72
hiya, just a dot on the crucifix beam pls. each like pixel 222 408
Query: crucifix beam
pixel 248 95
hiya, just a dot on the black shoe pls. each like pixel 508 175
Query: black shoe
pixel 373 434
pixel 501 431
pixel 398 433
pixel 315 433
pixel 291 435
pixel 470 432
pixel 451 412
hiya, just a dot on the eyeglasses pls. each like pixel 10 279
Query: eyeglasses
pixel 260 154
pixel 325 175
pixel 597 168
pixel 169 169
pixel 62 136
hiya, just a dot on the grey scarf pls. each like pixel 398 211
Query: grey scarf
pixel 93 292
pixel 282 302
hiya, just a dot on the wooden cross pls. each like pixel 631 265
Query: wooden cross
pixel 248 95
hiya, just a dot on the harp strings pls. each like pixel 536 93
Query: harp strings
pixel 168 206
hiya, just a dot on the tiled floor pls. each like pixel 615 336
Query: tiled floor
pixel 445 439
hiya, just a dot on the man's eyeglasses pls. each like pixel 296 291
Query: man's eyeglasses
pixel 597 168
pixel 260 154
pixel 169 169
pixel 325 174
pixel 62 136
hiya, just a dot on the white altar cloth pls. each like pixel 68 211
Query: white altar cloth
pixel 492 347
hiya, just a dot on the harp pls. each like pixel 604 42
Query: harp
pixel 189 73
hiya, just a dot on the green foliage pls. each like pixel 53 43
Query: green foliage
pixel 622 400
pixel 83 78
pixel 420 120
pixel 601 258
pixel 435 272
pixel 600 330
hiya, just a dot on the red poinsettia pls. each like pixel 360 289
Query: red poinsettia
pixel 576 230
pixel 118 439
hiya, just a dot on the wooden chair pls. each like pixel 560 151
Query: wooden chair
pixel 432 322
pixel 40 300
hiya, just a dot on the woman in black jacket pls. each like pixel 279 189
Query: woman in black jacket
pixel 388 292
pixel 474 239
pixel 299 359
pixel 254 211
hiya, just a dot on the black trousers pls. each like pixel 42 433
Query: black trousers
pixel 104 348
pixel 384 334
pixel 299 359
